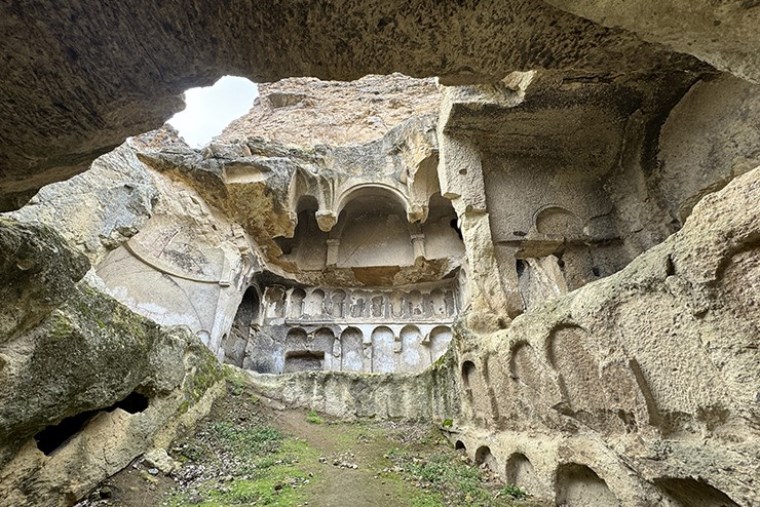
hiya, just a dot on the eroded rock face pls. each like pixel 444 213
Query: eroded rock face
pixel 331 113
pixel 71 93
pixel 654 367
pixel 547 259
pixel 86 384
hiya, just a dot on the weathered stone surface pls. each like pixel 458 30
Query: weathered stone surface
pixel 654 367
pixel 332 113
pixel 31 285
pixel 598 356
pixel 292 200
pixel 709 138
pixel 80 78
pixel 100 209
pixel 720 33
pixel 84 354
pixel 430 395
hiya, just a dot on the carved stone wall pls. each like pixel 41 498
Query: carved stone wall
pixel 372 330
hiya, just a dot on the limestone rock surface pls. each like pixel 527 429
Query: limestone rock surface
pixel 646 381
pixel 307 112
pixel 116 380
pixel 82 77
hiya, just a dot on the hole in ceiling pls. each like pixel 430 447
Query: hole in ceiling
pixel 210 109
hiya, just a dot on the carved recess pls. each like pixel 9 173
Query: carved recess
pixel 370 330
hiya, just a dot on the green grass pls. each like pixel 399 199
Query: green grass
pixel 267 467
pixel 313 418
pixel 513 491
pixel 451 482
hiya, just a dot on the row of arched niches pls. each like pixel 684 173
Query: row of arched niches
pixel 284 329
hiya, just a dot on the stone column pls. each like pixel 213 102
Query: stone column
pixel 332 252
pixel 418 241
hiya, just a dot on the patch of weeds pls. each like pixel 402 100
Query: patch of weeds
pixel 193 451
pixel 246 441
pixel 313 418
pixel 447 423
pixel 236 381
pixel 277 487
pixel 455 482
pixel 513 491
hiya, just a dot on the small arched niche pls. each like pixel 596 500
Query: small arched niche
pixel 519 472
pixel 579 486
pixel 693 493
pixel 484 456
pixel 468 374
pixel 554 220
pixel 245 322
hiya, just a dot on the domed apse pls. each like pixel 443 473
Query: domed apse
pixel 209 109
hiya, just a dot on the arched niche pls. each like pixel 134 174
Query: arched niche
pixel 469 372
pixel 314 303
pixel 383 355
pixel 414 356
pixel 579 486
pixel 337 304
pixel 439 340
pixel 246 319
pixel 369 192
pixel 691 492
pixel 296 303
pixel 275 301
pixel 519 472
pixel 484 456
pixel 352 349
pixel 373 230
pixel 415 304
pixel 555 220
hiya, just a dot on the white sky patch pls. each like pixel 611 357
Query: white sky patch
pixel 210 109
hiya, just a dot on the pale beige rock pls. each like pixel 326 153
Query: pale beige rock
pixel 69 96
pixel 307 112
pixel 651 371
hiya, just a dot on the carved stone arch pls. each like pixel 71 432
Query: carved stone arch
pixel 468 370
pixel 352 349
pixel 338 303
pixel 359 191
pixel 438 303
pixel 415 304
pixel 414 357
pixel 296 303
pixel 314 303
pixel 556 220
pixel 275 298
pixel 383 350
pixel 439 340
pixel 519 471
pixel 484 456
pixel 578 485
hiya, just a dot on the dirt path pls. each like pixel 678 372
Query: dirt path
pixel 246 454
pixel 341 485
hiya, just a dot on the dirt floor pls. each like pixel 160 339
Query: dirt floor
pixel 248 454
